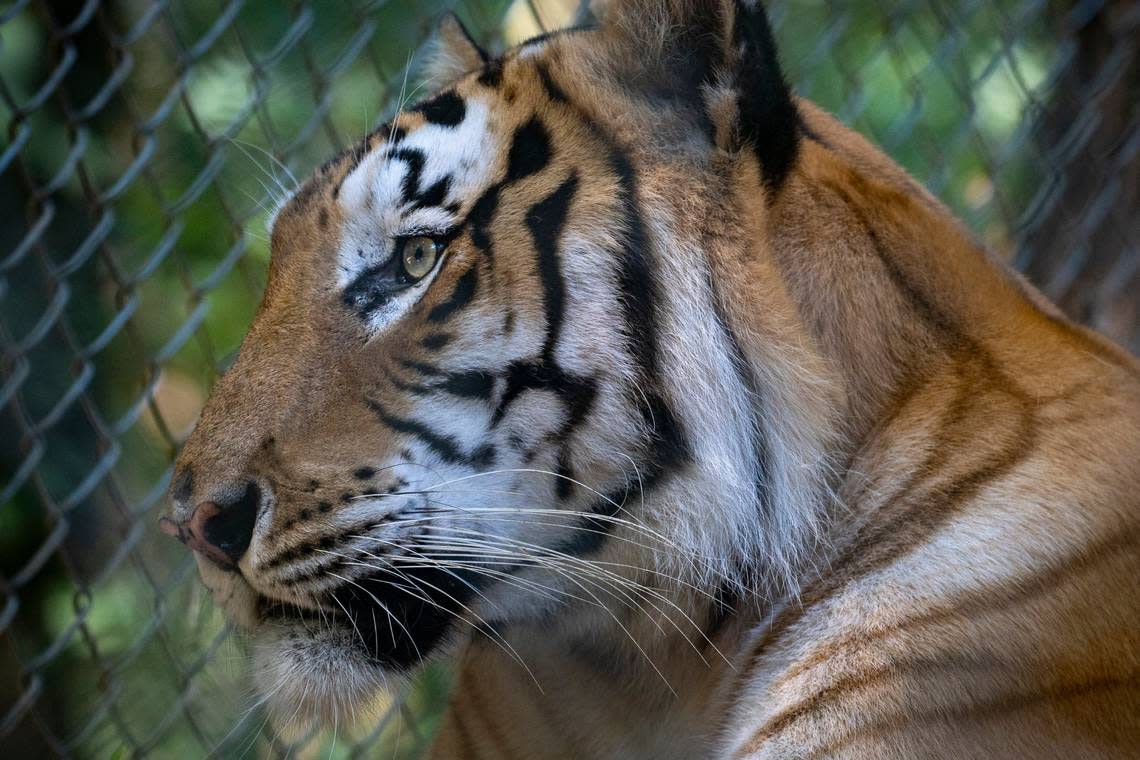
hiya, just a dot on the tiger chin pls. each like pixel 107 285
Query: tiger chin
pixel 677 414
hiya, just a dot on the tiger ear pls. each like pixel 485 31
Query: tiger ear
pixel 454 52
pixel 721 54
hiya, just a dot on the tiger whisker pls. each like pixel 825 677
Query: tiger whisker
pixel 568 513
pixel 430 520
pixel 526 560
pixel 270 155
pixel 352 620
pixel 598 574
pixel 499 639
pixel 595 563
pixel 387 612
pixel 630 523
pixel 578 582
pixel 628 590
pixel 469 514
pixel 533 471
pixel 613 589
pixel 609 576
pixel 418 581
pixel 408 548
pixel 278 200
pixel 520 583
pixel 488 513
pixel 259 701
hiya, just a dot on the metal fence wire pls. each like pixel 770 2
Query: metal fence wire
pixel 144 141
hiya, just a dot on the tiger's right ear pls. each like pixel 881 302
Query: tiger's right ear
pixel 454 52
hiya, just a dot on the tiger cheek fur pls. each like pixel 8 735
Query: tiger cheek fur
pixel 614 367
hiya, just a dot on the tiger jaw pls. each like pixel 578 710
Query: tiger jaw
pixel 395 622
pixel 313 673
pixel 328 660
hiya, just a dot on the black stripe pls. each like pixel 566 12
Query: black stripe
pixel 538 39
pixel 521 376
pixel 492 74
pixel 546 220
pixel 639 288
pixel 423 368
pixel 434 196
pixel 392 136
pixel 635 277
pixel 413 388
pixel 593 532
pixel 529 152
pixel 553 90
pixel 475 384
pixel 722 608
pixel 761 450
pixel 578 394
pixel 480 217
pixel 356 153
pixel 564 483
pixel 446 109
pixel 444 446
pixel 415 160
pixel 670 447
pixel 814 136
pixel 460 297
pixel 435 341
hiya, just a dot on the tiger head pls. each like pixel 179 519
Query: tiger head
pixel 492 351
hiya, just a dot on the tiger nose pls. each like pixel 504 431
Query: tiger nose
pixel 220 530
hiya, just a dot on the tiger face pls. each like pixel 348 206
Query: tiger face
pixel 458 387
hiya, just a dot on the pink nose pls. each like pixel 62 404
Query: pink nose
pixel 220 532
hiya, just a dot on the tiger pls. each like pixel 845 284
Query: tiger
pixel 679 418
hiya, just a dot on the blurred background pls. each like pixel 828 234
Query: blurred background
pixel 143 143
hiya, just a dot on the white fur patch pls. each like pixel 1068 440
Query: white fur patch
pixel 321 674
pixel 377 214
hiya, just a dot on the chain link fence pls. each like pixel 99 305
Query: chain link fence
pixel 144 142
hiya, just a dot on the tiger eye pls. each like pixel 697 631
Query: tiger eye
pixel 420 254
